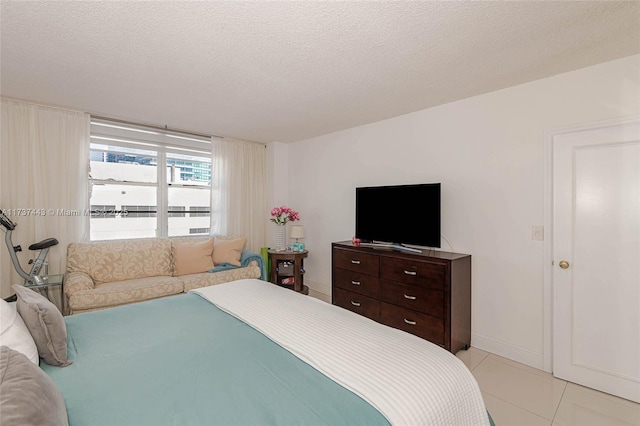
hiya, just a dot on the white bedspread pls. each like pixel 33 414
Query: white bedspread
pixel 409 380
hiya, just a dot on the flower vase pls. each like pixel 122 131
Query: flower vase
pixel 280 238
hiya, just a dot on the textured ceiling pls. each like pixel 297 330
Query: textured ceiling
pixel 285 71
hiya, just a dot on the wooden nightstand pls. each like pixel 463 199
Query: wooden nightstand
pixel 287 269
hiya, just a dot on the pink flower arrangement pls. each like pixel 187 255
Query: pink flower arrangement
pixel 282 215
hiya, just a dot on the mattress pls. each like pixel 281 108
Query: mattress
pixel 249 352
pixel 183 361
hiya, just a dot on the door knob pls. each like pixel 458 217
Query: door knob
pixel 563 264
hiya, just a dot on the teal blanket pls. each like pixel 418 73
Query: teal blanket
pixel 245 258
pixel 182 361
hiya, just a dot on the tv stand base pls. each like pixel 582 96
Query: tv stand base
pixel 392 246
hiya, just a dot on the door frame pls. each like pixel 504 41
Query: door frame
pixel 547 297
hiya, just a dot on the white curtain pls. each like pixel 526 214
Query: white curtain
pixel 238 190
pixel 44 160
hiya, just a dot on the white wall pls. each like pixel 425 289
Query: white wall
pixel 488 153
pixel 277 182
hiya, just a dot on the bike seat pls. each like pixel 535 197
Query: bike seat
pixel 43 244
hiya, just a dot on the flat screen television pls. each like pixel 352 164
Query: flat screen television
pixel 399 215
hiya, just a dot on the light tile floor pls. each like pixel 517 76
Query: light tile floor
pixel 519 395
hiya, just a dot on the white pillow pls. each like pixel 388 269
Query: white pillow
pixel 14 332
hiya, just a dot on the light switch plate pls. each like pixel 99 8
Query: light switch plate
pixel 537 233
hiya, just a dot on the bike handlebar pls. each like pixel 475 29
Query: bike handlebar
pixel 6 222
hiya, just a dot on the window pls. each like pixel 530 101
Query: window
pixel 148 182
pixel 177 211
pixel 139 211
pixel 199 211
pixel 199 231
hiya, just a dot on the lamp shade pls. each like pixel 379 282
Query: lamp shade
pixel 297 231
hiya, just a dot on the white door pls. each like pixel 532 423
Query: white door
pixel 596 252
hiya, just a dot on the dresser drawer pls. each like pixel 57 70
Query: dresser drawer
pixel 427 294
pixel 422 325
pixel 358 282
pixel 364 263
pixel 425 274
pixel 413 297
pixel 363 305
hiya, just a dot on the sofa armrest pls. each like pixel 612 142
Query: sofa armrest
pixel 249 258
pixel 77 281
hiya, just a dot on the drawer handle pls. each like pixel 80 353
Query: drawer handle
pixel 355 262
pixel 355 282
pixel 410 272
pixel 406 296
pixel 409 322
pixel 356 304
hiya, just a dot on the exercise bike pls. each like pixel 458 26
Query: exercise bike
pixel 33 277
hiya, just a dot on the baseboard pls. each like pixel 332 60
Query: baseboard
pixel 479 341
pixel 317 294
pixel 505 350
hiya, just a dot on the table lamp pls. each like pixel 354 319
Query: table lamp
pixel 297 232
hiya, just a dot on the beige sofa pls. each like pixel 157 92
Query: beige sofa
pixel 104 274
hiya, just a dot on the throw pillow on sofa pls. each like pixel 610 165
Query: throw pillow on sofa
pixel 192 257
pixel 228 251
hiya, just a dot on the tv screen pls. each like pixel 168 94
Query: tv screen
pixel 400 214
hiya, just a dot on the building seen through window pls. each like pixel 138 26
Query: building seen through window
pixel 147 183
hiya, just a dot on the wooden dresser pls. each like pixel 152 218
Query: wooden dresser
pixel 426 294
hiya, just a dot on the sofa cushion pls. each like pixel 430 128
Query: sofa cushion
pixel 192 257
pixel 125 292
pixel 208 279
pixel 228 251
pixel 45 323
pixel 28 396
pixel 119 260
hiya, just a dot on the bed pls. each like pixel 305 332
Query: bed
pixel 251 353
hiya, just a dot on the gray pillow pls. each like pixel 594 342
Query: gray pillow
pixel 46 325
pixel 27 395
